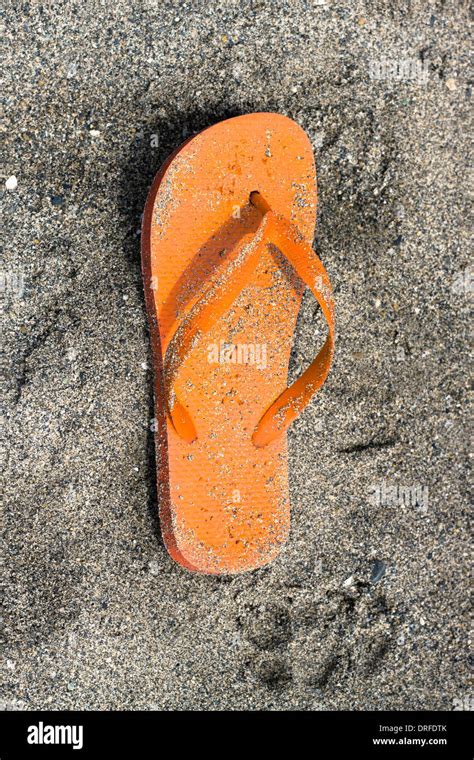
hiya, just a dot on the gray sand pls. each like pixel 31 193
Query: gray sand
pixel 366 608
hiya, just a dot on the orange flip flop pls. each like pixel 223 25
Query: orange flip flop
pixel 226 253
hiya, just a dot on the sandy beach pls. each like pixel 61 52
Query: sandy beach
pixel 366 607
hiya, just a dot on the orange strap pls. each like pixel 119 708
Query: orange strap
pixel 218 298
